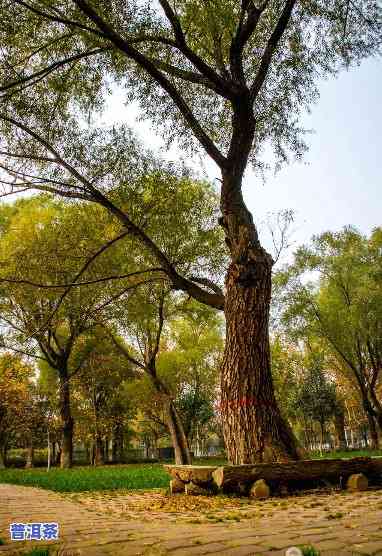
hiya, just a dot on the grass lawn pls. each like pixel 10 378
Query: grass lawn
pixel 143 476
pixel 346 455
pixel 80 479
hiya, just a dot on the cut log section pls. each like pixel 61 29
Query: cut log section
pixel 230 477
pixel 200 475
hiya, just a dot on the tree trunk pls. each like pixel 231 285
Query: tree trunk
pixel 117 446
pixel 98 459
pixel 377 407
pixel 174 423
pixel 66 421
pixel 373 432
pixel 49 451
pixel 106 449
pixel 30 454
pixel 58 454
pixel 179 440
pixel 254 429
pixel 2 457
pixel 339 425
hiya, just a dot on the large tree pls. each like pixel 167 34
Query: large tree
pixel 227 77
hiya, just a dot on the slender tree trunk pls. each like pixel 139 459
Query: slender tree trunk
pixel 373 432
pixel 106 449
pixel 66 420
pixel 368 407
pixel 174 423
pixel 87 452
pixel 377 407
pixel 117 447
pixel 49 451
pixel 58 454
pixel 339 425
pixel 114 458
pixel 2 457
pixel 4 453
pixel 30 455
pixel 254 429
pixel 98 459
pixel 179 440
pixel 92 453
pixel 322 438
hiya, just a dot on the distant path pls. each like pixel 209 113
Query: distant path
pixel 337 524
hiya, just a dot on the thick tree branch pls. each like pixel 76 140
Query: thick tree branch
pixel 178 281
pixel 190 76
pixel 223 85
pixel 207 282
pixel 159 77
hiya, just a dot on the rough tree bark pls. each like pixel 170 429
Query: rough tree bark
pixel 377 407
pixel 67 422
pixel 254 429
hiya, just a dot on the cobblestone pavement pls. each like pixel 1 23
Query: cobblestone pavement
pixel 337 524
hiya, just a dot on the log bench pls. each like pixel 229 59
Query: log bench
pixel 277 476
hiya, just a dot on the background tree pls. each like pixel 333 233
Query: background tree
pixel 46 323
pixel 342 309
pixel 316 397
pixel 100 387
pixel 15 377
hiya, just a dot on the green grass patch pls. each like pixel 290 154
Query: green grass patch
pixel 309 551
pixel 140 476
pixel 345 454
pixel 38 552
pixel 80 479
pixel 1 542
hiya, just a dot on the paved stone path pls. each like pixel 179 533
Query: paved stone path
pixel 337 524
